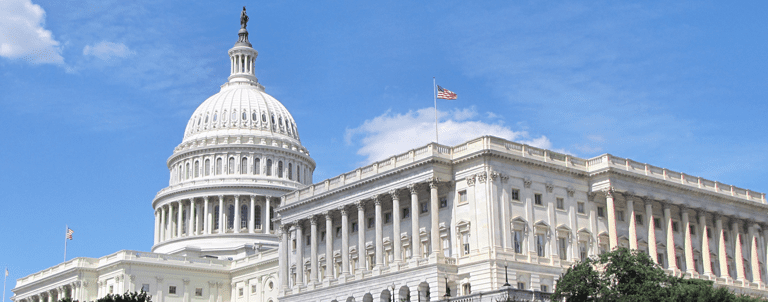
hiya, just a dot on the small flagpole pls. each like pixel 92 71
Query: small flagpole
pixel 66 229
pixel 434 93
pixel 5 273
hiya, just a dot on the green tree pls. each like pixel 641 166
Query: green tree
pixel 624 275
pixel 126 297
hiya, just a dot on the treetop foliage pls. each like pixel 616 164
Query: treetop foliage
pixel 126 297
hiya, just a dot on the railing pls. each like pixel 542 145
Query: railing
pixel 502 295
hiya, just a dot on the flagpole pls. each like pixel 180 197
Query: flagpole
pixel 66 229
pixel 5 273
pixel 434 94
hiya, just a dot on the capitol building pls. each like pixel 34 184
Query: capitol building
pixel 242 220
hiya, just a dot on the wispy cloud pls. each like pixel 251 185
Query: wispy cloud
pixel 23 35
pixel 107 50
pixel 392 133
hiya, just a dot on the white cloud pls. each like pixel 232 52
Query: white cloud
pixel 390 133
pixel 107 50
pixel 22 34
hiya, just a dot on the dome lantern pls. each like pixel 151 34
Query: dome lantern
pixel 242 57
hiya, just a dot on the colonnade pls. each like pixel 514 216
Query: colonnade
pixel 71 290
pixel 295 254
pixel 211 216
pixel 242 63
pixel 746 243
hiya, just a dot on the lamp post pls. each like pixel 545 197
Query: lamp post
pixel 393 292
pixel 506 275
pixel 447 289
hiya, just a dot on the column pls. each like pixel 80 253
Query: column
pixel 437 248
pixel 179 223
pixel 313 249
pixel 379 232
pixel 299 252
pixel 722 256
pixel 754 257
pixel 157 226
pixel 237 223
pixel 396 225
pixel 192 218
pixel 251 217
pixel 344 241
pixel 206 218
pixel 171 222
pixel 361 256
pixel 328 246
pixel 284 254
pixel 651 230
pixel 765 244
pixel 415 254
pixel 632 222
pixel 267 214
pixel 611 209
pixel 672 264
pixel 738 257
pixel 162 223
pixel 706 262
pixel 690 268
pixel 222 227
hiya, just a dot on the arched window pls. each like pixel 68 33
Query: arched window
pixel 186 171
pixel 280 122
pixel 184 222
pixel 218 166
pixel 231 217
pixel 216 217
pixel 280 169
pixel 224 116
pixel 245 116
pixel 269 167
pixel 197 168
pixel 271 215
pixel 207 167
pixel 231 167
pixel 244 165
pixel 234 115
pixel 215 117
pixel 290 171
pixel 254 117
pixel 257 166
pixel 263 118
pixel 257 217
pixel 178 172
pixel 243 216
pixel 199 119
pixel 298 173
pixel 206 119
pixel 273 123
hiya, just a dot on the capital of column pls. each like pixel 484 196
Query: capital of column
pixel 413 188
pixel 312 219
pixel 393 193
pixel 376 200
pixel 342 210
pixel 664 204
pixel 609 192
pixel 360 204
pixel 205 198
pixel 327 215
pixel 433 182
pixel 221 197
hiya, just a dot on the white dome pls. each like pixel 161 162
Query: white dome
pixel 241 109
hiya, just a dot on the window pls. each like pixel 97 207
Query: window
pixel 537 199
pixel 231 217
pixel 560 203
pixel 254 117
pixel 216 217
pixel 293 244
pixel 234 115
pixel 582 250
pixel 354 227
pixel 172 290
pixel 244 165
pixel 298 173
pixel 544 288
pixel 243 216
pixel 580 207
pixel 197 169
pixel 620 215
pixel 371 222
pixel 112 289
pixel 446 247
pixel 322 236
pixel 257 166
pixel 518 239
pixel 198 292
pixel 657 223
pixel 280 169
pixel 388 217
pixel 562 246
pixel 145 287
pixel 541 245
pixel 257 217
pixel 231 167
pixel 660 258
pixel 521 285
pixel 240 292
pixel 515 195
pixel 639 219
pixel 245 116
pixel 406 213
pixel 600 212
pixel 424 207
pixel 269 167
pixel 308 240
pixel 290 171
pixel 184 222
pixel 467 288
pixel 678 263
pixel 338 232
pixel 207 167
pixel 709 233
pixel 263 118
pixel 725 236
pixel 187 172
pixel 675 227
pixel 443 202
pixel 463 197
pixel 215 116
pixel 465 243
pixel 224 116
pixel 693 230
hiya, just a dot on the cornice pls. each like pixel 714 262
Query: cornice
pixel 236 147
pixel 171 194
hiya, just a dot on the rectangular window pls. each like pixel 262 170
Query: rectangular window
pixel 515 195
pixel 308 240
pixel 639 219
pixel 678 263
pixel 725 236
pixel 322 236
pixel 371 222
pixel 582 250
pixel 563 248
pixel 620 215
pixel 293 243
pixel 600 212
pixel 172 290
pixel 660 259
pixel 560 203
pixel 537 199
pixel 145 288
pixel 406 213
pixel 657 223
pixel 521 285
pixel 543 288
pixel 693 230
pixel 580 207
pixel 388 217
pixel 541 245
pixel 112 288
pixel 198 292
pixel 446 247
pixel 462 196
pixel 709 233
pixel 240 292
pixel 338 232
pixel 443 202
pixel 354 227
pixel 675 227
pixel 424 207
pixel 465 242
pixel 518 238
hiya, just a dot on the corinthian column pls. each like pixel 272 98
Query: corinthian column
pixel 313 249
pixel 415 254
pixel 632 225
pixel 268 215
pixel 688 243
pixel 344 241
pixel 236 223
pixel 299 252
pixel 379 232
pixel 435 218
pixel 179 223
pixel 192 221
pixel 284 257
pixel 162 224
pixel 754 257
pixel 157 226
pixel 328 245
pixel 722 256
pixel 222 228
pixel 361 256
pixel 738 257
pixel 251 215
pixel 612 238
pixel 651 230
pixel 706 262
pixel 672 264
pixel 396 225
pixel 206 217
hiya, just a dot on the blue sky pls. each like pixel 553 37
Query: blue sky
pixel 94 95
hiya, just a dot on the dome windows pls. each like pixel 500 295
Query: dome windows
pixel 269 167
pixel 231 166
pixel 280 169
pixel 206 119
pixel 207 167
pixel 263 117
pixel 224 116
pixel 234 115
pixel 257 166
pixel 215 116
pixel 245 116
pixel 254 117
pixel 244 165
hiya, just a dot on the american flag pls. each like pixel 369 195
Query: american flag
pixel 69 233
pixel 445 94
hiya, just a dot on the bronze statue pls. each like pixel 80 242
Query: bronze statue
pixel 243 19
